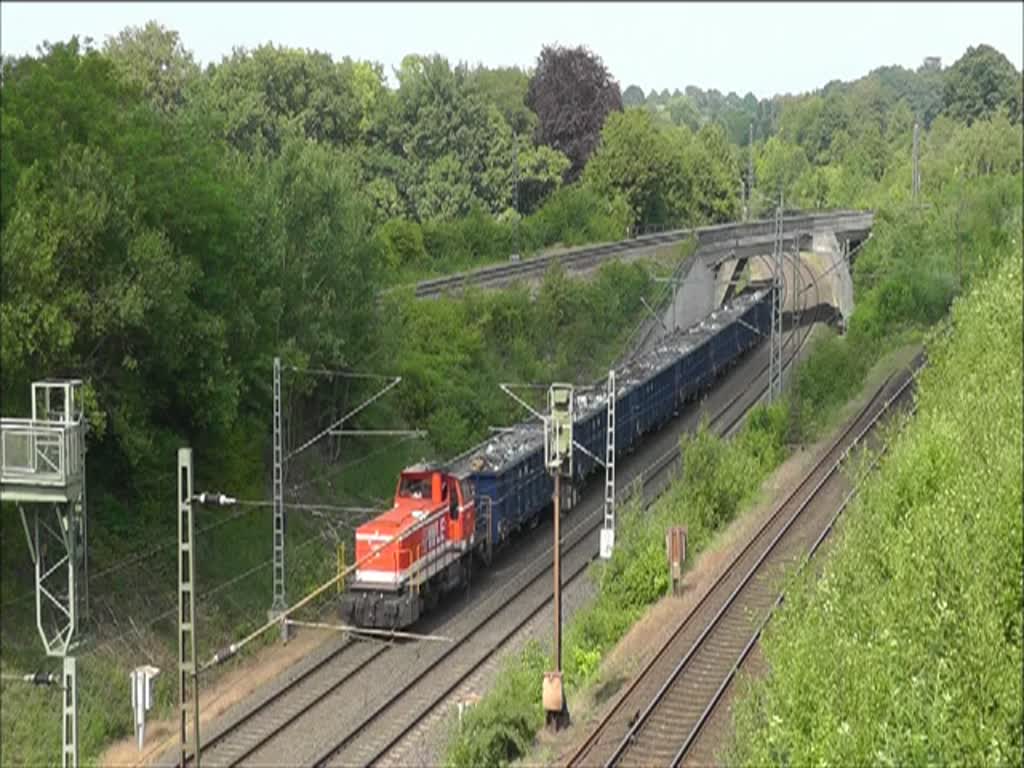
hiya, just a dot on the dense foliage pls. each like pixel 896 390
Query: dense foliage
pixel 453 354
pixel 667 175
pixel 920 605
pixel 255 207
pixel 848 147
pixel 848 144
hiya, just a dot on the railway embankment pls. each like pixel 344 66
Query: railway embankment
pixel 907 648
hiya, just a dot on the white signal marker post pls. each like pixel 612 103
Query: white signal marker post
pixel 608 529
pixel 142 698
pixel 558 458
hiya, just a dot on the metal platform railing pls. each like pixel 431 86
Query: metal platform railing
pixel 40 453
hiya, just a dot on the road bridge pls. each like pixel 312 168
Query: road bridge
pixel 717 245
pixel 709 277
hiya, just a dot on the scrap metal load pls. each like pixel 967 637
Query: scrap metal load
pixel 504 485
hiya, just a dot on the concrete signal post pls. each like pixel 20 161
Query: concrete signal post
pixel 558 445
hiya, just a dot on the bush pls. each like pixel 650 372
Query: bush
pixel 576 215
pixel 402 245
pixel 446 246
pixel 828 377
pixel 501 726
pixel 453 353
pixel 718 477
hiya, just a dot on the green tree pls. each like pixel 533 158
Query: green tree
pixel 457 147
pixel 113 225
pixel 633 97
pixel 506 87
pixel 683 112
pixel 633 160
pixel 980 83
pixel 987 147
pixel 541 170
pixel 778 164
pixel 153 58
pixel 260 97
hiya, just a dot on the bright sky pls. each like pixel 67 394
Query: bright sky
pixel 766 48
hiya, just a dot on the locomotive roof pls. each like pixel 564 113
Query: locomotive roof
pixel 509 446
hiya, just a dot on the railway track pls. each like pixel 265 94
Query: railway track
pixel 316 699
pixel 378 732
pixel 712 241
pixel 657 719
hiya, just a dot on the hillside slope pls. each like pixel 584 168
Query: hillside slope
pixel 908 648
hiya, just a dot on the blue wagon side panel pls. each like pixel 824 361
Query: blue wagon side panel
pixel 516 493
pixel 649 398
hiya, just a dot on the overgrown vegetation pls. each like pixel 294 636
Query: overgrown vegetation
pixel 918 260
pixel 919 605
pixel 453 352
pixel 905 280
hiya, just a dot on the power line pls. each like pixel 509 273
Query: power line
pixel 340 373
pixel 204 596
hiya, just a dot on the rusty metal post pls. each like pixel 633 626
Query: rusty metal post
pixel 558 575
pixel 675 544
pixel 556 706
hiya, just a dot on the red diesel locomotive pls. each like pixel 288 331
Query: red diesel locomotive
pixel 409 556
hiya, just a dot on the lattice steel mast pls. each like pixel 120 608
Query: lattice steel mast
pixel 279 603
pixel 608 529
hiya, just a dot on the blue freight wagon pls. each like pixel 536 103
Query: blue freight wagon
pixel 511 484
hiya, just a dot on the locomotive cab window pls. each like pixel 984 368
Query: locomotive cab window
pixel 415 488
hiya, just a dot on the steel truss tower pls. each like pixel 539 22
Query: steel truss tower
pixel 43 466
pixel 608 529
pixel 279 603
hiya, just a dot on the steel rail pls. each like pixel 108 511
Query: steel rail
pixel 594 735
pixel 275 699
pixel 713 239
pixel 712 706
pixel 648 475
pixel 641 721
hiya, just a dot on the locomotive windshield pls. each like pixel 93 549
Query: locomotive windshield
pixel 414 488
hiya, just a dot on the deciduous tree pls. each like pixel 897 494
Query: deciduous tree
pixel 572 93
pixel 980 83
